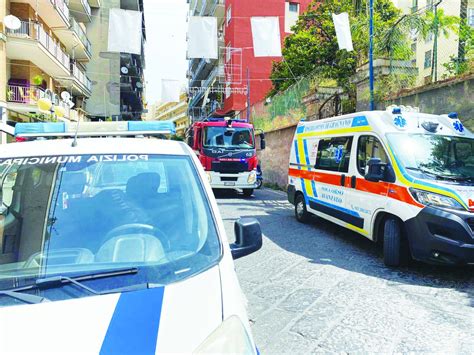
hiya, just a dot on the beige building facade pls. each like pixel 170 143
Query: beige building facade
pixel 45 60
pixel 448 48
pixel 172 111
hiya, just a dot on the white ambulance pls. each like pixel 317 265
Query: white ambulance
pixel 400 177
pixel 115 246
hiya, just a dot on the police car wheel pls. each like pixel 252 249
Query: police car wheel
pixel 301 212
pixel 248 192
pixel 392 242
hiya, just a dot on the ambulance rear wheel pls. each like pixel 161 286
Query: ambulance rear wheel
pixel 392 242
pixel 301 213
pixel 247 192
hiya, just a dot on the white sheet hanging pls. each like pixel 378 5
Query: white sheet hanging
pixel 343 31
pixel 125 31
pixel 202 37
pixel 266 36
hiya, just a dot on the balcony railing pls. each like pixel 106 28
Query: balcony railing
pixel 61 6
pixel 81 34
pixel 87 7
pixel 81 76
pixel 36 32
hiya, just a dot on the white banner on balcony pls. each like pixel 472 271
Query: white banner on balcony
pixel 202 37
pixel 343 31
pixel 170 90
pixel 266 36
pixel 125 31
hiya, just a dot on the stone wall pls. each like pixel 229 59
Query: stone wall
pixel 452 95
pixel 275 158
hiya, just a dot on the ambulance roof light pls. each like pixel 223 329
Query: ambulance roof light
pixel 453 115
pixel 396 110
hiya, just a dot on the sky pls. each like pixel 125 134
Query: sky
pixel 165 49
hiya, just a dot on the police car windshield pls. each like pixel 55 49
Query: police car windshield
pixel 435 156
pixel 224 137
pixel 73 215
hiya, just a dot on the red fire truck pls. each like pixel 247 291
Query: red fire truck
pixel 227 151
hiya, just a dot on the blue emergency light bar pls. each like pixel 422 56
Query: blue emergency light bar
pixel 94 129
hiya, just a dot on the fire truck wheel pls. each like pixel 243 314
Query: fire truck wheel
pixel 248 192
pixel 392 242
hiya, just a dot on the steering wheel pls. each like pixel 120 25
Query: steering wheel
pixel 130 228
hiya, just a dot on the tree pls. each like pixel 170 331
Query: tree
pixel 313 45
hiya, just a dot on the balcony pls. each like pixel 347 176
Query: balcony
pixel 80 10
pixel 77 82
pixel 31 42
pixel 54 13
pixel 75 40
pixel 24 99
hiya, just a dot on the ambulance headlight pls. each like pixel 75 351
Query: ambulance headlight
pixel 230 338
pixel 252 177
pixel 209 176
pixel 432 199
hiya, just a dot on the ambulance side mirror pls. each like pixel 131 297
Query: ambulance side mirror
pixel 375 170
pixel 248 237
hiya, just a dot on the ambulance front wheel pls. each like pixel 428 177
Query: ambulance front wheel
pixel 392 242
pixel 301 213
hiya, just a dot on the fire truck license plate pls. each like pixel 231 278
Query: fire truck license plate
pixel 229 183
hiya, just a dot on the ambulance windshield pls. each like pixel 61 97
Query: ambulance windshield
pixel 73 215
pixel 435 156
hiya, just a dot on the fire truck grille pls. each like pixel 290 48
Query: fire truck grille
pixel 229 167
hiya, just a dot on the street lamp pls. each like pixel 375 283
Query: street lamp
pixel 371 55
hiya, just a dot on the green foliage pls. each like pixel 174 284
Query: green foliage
pixel 177 138
pixel 313 45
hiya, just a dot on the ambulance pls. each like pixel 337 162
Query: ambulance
pixel 398 177
pixel 115 245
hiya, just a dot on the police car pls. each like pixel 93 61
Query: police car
pixel 115 245
pixel 397 176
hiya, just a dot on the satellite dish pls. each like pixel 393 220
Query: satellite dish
pixel 12 22
pixel 65 96
pixel 124 70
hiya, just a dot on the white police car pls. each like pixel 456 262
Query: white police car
pixel 116 246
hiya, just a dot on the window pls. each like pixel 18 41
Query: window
pixel 369 147
pixel 413 49
pixel 292 10
pixel 428 59
pixel 470 16
pixel 334 154
pixel 293 7
pixel 228 15
pixel 429 37
pixel 228 53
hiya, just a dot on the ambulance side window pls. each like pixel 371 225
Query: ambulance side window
pixel 369 147
pixel 334 154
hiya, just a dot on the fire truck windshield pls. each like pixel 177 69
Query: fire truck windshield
pixel 232 138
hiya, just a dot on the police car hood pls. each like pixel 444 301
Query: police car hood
pixel 175 318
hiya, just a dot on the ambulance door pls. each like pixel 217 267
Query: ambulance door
pixel 333 156
pixel 364 197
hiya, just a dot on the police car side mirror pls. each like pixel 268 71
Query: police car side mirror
pixel 375 170
pixel 248 237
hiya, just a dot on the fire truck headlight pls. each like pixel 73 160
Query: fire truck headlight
pixel 252 177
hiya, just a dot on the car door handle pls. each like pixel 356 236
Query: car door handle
pixel 353 181
pixel 343 180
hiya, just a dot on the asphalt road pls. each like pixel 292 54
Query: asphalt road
pixel 319 288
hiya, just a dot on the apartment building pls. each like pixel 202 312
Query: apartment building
pixel 118 78
pixel 205 75
pixel 448 47
pixel 172 111
pixel 45 58
pixel 226 79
